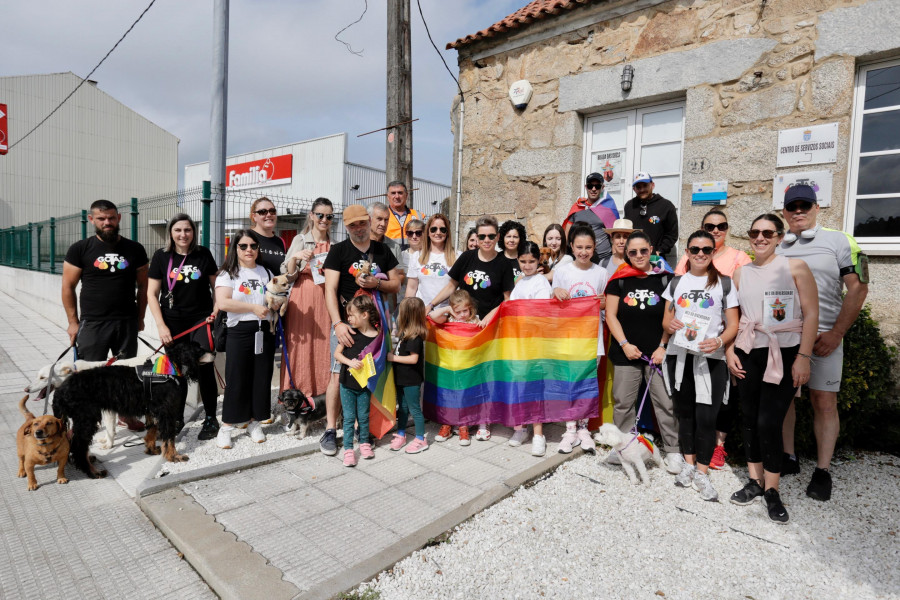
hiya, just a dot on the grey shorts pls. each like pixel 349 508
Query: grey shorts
pixel 335 365
pixel 825 372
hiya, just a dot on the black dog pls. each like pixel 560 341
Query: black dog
pixel 298 408
pixel 130 392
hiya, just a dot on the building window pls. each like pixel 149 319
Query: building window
pixel 873 210
pixel 620 144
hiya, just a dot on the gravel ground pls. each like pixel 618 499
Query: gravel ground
pixel 586 532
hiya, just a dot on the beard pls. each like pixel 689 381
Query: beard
pixel 360 236
pixel 110 236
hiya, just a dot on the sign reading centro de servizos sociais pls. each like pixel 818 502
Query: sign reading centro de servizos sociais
pixel 4 130
pixel 275 170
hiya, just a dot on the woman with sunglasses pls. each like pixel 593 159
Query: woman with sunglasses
pixel 264 217
pixel 701 318
pixel 307 326
pixel 250 345
pixel 726 259
pixel 634 315
pixel 429 269
pixel 415 235
pixel 771 355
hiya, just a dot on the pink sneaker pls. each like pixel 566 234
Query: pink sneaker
pixel 586 441
pixel 416 446
pixel 568 442
pixel 398 442
pixel 365 451
pixel 349 458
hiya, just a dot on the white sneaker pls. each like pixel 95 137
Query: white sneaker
pixel 568 442
pixel 587 442
pixel 686 477
pixel 703 485
pixel 484 434
pixel 223 438
pixel 538 445
pixel 613 458
pixel 518 436
pixel 674 462
pixel 254 430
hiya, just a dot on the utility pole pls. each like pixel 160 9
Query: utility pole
pixel 399 94
pixel 218 119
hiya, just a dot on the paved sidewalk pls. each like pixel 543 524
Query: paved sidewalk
pixel 85 539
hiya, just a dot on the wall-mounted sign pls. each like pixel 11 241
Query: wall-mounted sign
pixel 4 130
pixel 609 164
pixel 709 192
pixel 807 145
pixel 264 172
pixel 819 181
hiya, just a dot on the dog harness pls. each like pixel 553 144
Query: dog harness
pixel 160 371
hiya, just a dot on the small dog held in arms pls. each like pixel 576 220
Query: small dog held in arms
pixel 41 441
pixel 277 291
pixel 544 263
pixel 299 412
pixel 151 390
pixel 634 452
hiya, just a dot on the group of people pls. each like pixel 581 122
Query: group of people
pixel 717 332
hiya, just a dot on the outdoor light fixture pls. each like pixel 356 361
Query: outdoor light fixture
pixel 627 78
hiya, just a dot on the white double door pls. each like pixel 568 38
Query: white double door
pixel 620 144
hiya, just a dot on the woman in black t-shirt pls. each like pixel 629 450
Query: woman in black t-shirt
pixel 180 288
pixel 634 315
pixel 264 217
pixel 512 240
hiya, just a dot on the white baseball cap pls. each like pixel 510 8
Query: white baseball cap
pixel 642 177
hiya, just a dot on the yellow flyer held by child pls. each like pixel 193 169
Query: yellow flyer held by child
pixel 365 370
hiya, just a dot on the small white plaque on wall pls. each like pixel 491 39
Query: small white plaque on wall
pixel 819 181
pixel 807 145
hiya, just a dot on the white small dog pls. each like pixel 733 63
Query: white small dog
pixel 634 453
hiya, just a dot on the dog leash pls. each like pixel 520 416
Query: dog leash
pixel 182 334
pixel 74 350
pixel 637 416
pixel 287 361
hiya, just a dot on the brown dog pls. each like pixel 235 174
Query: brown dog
pixel 41 441
pixel 544 263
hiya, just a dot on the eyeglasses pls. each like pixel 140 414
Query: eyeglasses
pixel 321 216
pixel 707 250
pixel 416 233
pixel 803 205
pixel 594 186
pixel 251 246
pixel 490 236
pixel 766 233
pixel 641 251
pixel 266 211
pixel 436 229
pixel 710 227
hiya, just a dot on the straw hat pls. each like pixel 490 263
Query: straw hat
pixel 621 226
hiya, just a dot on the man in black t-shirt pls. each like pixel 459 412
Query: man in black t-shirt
pixel 343 278
pixel 113 275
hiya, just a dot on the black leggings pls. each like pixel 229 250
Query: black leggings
pixel 728 412
pixel 697 422
pixel 764 405
pixel 209 390
pixel 248 376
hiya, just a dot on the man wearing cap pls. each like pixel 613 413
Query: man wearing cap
pixel 653 214
pixel 596 212
pixel 343 278
pixel 399 214
pixel 835 261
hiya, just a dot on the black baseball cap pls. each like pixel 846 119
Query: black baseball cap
pixel 800 192
pixel 593 177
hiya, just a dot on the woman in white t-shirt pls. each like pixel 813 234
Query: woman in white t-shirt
pixel 429 269
pixel 250 345
pixel 702 317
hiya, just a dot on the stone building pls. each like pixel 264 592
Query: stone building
pixel 714 84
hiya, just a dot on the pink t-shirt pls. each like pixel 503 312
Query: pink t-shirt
pixel 726 262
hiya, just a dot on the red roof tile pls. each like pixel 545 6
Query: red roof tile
pixel 534 11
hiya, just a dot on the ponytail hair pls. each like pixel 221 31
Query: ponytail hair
pixel 712 273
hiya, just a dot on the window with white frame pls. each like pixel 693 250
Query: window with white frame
pixel 873 207
pixel 620 144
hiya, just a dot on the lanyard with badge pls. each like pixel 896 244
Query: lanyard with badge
pixel 171 278
pixel 258 336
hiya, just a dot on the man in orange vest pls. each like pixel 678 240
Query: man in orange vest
pixel 400 215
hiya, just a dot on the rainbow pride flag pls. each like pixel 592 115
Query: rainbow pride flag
pixel 383 401
pixel 536 362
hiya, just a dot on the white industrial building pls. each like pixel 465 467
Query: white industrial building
pixel 93 147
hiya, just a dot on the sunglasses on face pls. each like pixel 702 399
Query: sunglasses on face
pixel 436 229
pixel 766 233
pixel 489 236
pixel 707 250
pixel 416 233
pixel 710 227
pixel 251 246
pixel 800 205
pixel 637 251
pixel 266 211
pixel 321 216
pixel 594 186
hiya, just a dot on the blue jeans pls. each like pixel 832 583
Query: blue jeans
pixel 355 405
pixel 409 403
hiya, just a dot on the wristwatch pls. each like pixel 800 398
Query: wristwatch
pixel 662 345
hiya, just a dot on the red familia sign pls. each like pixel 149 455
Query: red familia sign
pixel 260 173
pixel 4 130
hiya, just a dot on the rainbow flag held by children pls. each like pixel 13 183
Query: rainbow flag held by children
pixel 383 401
pixel 535 362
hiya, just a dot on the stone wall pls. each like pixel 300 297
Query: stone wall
pixel 745 69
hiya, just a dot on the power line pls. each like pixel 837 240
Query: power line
pixel 349 48
pixel 425 23
pixel 77 87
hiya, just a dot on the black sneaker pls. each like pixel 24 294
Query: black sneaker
pixel 820 486
pixel 209 430
pixel 789 466
pixel 328 442
pixel 777 511
pixel 747 494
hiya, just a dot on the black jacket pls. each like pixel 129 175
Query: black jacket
pixel 660 223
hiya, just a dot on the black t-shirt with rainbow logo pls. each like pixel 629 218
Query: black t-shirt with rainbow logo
pixel 108 277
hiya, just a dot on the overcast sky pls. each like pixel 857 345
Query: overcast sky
pixel 289 80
